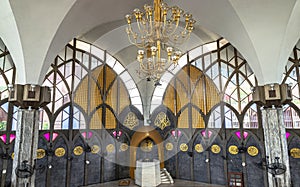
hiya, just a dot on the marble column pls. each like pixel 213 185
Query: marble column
pixel 276 144
pixel 25 144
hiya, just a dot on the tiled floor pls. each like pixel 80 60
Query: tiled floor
pixel 177 183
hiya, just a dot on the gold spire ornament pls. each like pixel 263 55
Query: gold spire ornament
pixel 156 31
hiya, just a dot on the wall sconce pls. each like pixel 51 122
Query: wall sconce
pixel 176 133
pixel 275 168
pixel 24 170
pixel 243 164
pixel 117 134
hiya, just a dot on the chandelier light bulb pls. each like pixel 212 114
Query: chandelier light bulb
pixel 141 52
pixel 169 49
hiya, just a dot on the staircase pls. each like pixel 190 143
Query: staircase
pixel 166 177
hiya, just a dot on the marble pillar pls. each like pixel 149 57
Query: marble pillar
pixel 276 144
pixel 25 144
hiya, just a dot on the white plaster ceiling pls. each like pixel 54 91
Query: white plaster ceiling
pixel 264 31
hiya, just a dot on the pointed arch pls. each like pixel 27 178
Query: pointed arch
pixel 141 134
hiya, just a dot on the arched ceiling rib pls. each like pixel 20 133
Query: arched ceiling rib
pixel 291 37
pixel 37 23
pixel 220 17
pixel 10 36
pixel 266 24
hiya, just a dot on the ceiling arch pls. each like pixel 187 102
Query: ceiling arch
pixel 264 32
pixel 10 36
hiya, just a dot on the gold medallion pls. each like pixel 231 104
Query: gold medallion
pixel 146 145
pixel 13 155
pixel 184 147
pixel 233 149
pixel 252 150
pixel 123 147
pixel 199 148
pixel 169 146
pixel 95 149
pixel 78 150
pixel 40 153
pixel 110 148
pixel 131 121
pixel 162 121
pixel 59 152
pixel 295 152
pixel 215 149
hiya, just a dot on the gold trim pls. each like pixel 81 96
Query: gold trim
pixel 95 149
pixel 199 148
pixel 59 152
pixel 184 147
pixel 215 149
pixel 40 153
pixel 124 147
pixel 169 146
pixel 295 152
pixel 110 148
pixel 78 150
pixel 233 149
pixel 252 151
pixel 13 155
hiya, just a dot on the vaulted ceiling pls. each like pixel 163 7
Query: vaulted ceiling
pixel 264 31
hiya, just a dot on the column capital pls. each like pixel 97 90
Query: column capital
pixel 29 95
pixel 272 95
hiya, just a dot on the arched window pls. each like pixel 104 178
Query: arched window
pixel 90 86
pixel 292 74
pixel 7 76
pixel 251 117
pixel 209 75
pixel 291 117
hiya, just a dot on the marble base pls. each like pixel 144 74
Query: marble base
pixel 147 174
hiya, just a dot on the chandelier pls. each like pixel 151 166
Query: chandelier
pixel 156 32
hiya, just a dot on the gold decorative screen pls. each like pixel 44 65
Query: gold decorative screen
pixel 102 77
pixel 191 86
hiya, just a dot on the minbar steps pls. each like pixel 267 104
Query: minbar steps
pixel 166 177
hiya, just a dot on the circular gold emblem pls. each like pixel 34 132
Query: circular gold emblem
pixel 95 149
pixel 110 148
pixel 13 155
pixel 40 153
pixel 252 150
pixel 59 152
pixel 199 148
pixel 169 146
pixel 295 152
pixel 78 150
pixel 123 147
pixel 233 149
pixel 184 147
pixel 146 145
pixel 215 149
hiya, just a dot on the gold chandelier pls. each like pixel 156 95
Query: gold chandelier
pixel 157 33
